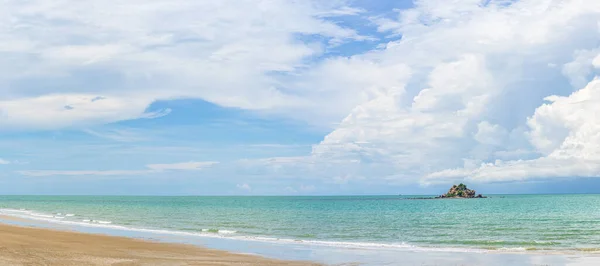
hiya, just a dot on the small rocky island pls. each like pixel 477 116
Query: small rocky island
pixel 460 192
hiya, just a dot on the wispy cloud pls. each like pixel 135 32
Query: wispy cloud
pixel 151 169
pixel 344 11
pixel 299 189
pixel 276 145
pixel 120 135
pixel 181 166
pixel 244 186
pixel 41 173
pixel 156 114
pixel 229 59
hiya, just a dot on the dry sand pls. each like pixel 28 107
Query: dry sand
pixel 34 246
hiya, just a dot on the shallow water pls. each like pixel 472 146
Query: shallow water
pixel 547 223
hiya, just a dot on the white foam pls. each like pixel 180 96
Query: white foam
pixel 518 249
pixel 14 211
pixel 219 231
pixel 230 234
pixel 69 215
pixel 42 215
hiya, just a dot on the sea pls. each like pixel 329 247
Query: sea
pixel 526 224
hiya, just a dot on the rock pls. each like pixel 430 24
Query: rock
pixel 460 191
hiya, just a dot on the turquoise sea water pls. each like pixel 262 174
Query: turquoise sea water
pixel 512 222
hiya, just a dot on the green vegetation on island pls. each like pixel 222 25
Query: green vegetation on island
pixel 460 191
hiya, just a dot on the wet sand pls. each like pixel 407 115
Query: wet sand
pixel 34 246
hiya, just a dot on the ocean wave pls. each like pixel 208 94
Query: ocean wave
pixel 231 234
pixel 42 215
pixel 218 231
pixel 96 221
pixel 498 243
pixel 221 233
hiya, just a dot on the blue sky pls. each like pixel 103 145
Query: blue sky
pixel 298 98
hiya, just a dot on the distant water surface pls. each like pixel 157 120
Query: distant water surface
pixel 562 223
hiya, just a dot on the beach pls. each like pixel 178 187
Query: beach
pixel 36 246
pixel 517 230
pixel 41 246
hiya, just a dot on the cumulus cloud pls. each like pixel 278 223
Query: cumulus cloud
pixel 472 81
pixel 566 130
pixel 490 134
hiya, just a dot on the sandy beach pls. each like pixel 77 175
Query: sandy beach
pixel 34 246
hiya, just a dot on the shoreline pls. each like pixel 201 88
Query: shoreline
pixel 46 244
pixel 20 245
pixel 181 237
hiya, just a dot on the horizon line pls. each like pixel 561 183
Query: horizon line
pixel 281 195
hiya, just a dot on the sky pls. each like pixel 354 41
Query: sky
pixel 279 97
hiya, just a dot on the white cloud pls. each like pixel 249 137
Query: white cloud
pixel 151 169
pixel 41 173
pixel 120 135
pixel 181 166
pixel 301 189
pixel 244 186
pixel 384 131
pixel 515 154
pixel 569 126
pixel 306 188
pixel 459 95
pixel 61 54
pixel 2 161
pixel 500 171
pixel 334 87
pixel 490 134
pixel 84 54
pixel 581 68
pixel 469 76
pixel 566 131
pixel 60 111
